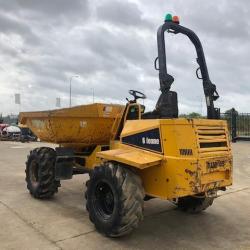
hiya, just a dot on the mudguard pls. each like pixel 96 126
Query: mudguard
pixel 132 156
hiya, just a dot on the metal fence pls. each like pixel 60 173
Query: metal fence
pixel 239 125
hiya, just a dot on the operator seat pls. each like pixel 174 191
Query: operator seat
pixel 166 107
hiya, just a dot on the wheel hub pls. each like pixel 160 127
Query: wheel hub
pixel 104 199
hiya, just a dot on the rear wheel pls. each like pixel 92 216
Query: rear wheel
pixel 40 173
pixel 114 199
pixel 193 204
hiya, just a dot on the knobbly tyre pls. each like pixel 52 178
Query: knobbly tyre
pixel 132 156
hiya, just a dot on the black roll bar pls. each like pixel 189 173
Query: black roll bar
pixel 166 80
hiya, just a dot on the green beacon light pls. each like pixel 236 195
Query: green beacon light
pixel 168 18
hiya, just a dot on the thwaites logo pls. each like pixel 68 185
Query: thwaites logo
pixel 148 139
pixel 216 164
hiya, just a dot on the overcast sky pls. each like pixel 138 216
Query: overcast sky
pixel 111 45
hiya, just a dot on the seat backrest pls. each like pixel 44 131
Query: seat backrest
pixel 167 105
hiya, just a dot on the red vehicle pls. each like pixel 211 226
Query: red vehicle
pixel 2 126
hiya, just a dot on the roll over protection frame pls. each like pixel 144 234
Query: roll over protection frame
pixel 166 80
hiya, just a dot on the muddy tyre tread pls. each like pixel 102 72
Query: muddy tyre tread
pixel 131 195
pixel 47 185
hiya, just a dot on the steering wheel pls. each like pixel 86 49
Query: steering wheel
pixel 137 94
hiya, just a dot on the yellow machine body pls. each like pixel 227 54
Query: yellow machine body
pixel 174 157
pixel 194 156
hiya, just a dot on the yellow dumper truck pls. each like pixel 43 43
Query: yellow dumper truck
pixel 131 155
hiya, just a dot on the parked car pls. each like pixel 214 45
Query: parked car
pixel 26 134
pixel 11 133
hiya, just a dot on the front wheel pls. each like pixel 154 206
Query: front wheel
pixel 114 199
